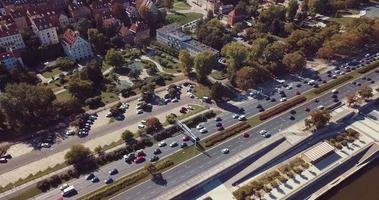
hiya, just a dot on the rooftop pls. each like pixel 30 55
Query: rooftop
pixel 8 29
pixel 319 151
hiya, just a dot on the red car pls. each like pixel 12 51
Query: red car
pixel 139 159
pixel 186 138
pixel 245 135
pixel 297 93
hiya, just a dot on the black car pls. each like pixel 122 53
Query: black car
pixel 273 99
pixel 283 95
pixel 157 151
pixel 334 96
pixel 241 110
pixel 154 158
pixel 183 145
pixel 218 119
pixel 218 124
pixel 372 81
pixel 336 100
pixel 261 109
pixel 354 83
pixel 268 98
pixel 298 85
pixel 316 100
pixel 259 106
pixel 291 117
pixel 293 112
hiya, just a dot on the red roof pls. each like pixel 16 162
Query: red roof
pixel 123 30
pixel 8 29
pixel 5 55
pixel 70 37
pixel 138 27
pixel 44 23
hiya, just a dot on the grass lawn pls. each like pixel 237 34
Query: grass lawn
pixel 51 73
pixel 28 194
pixel 218 75
pixel 168 63
pixel 202 91
pixel 183 18
pixel 181 5
pixel 64 96
pixel 109 97
pixel 254 121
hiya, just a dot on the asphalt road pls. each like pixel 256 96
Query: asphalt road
pixel 191 168
pixel 202 162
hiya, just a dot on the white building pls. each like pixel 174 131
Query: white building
pixel 46 31
pixel 10 38
pixel 75 47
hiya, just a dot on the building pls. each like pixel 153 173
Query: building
pixel 78 11
pixel 5 19
pixel 101 6
pixel 75 47
pixel 224 9
pixel 11 59
pixel 10 37
pixel 318 152
pixel 235 16
pixel 173 36
pixel 19 17
pixel 107 19
pixel 46 31
pixel 140 30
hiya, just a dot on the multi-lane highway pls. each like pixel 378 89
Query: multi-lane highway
pixel 149 190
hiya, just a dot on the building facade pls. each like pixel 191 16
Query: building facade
pixel 46 31
pixel 10 37
pixel 173 36
pixel 11 59
pixel 75 47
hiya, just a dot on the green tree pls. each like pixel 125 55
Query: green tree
pixel 318 118
pixel 274 52
pixel 203 64
pixel 365 92
pixel 127 136
pixel 93 72
pixel 27 107
pixel 5 76
pixel 114 58
pixel 81 89
pixel 168 4
pixel 236 54
pixel 186 61
pixel 258 47
pixel 65 63
pixel 82 26
pixel 292 8
pixel 294 61
pixel 318 6
pixel 77 153
pixel 98 41
pixel 213 33
pixel 217 91
pixel 171 118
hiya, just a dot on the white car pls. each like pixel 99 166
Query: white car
pixel 143 122
pixel 162 144
pixel 289 87
pixel 283 99
pixel 320 107
pixel 334 91
pixel 141 126
pixel 173 144
pixel 262 132
pixel 225 151
pixel 70 132
pixel 140 99
pixel 64 186
pixel 235 116
pixel 167 100
pixel 192 96
pixel 242 117
pixel 109 114
pixel 139 111
pixel 45 145
pixel 124 106
pixel 198 127
pixel 174 100
pixel 203 130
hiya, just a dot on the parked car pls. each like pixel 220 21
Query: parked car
pixel 186 138
pixel 95 179
pixel 245 135
pixel 64 186
pixel 157 151
pixel 129 157
pixel 283 99
pixel 139 159
pixel 162 144
pixel 109 180
pixel 140 153
pixel 113 171
pixel 3 160
pixel 90 176
pixel 220 128
pixel 203 130
pixel 173 144
pixel 200 126
pixel 218 119
pixel 183 145
pixel 225 151
pixel 154 158
pixel 242 118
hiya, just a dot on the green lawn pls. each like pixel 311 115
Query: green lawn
pixel 109 97
pixel 183 18
pixel 64 96
pixel 341 20
pixel 195 110
pixel 218 75
pixel 51 73
pixel 168 63
pixel 181 5
pixel 202 91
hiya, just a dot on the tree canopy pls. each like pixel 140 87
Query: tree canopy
pixel 77 153
pixel 203 64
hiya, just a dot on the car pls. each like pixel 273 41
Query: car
pixel 368 79
pixel 335 91
pixel 167 100
pixel 143 122
pixel 185 138
pixel 140 99
pixel 273 99
pixel 6 156
pixel 245 135
pixel 359 84
pixel 109 180
pixel 141 126
pixel 336 100
pixel 354 83
pixel 225 151
pixel 154 158
pixel 259 106
pixel 70 132
pixel 64 186
pixel 183 145
pixel 200 126
pixel 283 99
pixel 139 159
pixel 261 109
pixel 95 179
pixel 267 135
pixel 173 144
pixel 291 117
pixel 289 87
pixel 334 96
pixel 364 78
pixel 268 98
pixel 3 160
pixel 242 118
pixel 162 144
pixel 241 110
pixel 45 145
pixel 113 171
pixel 307 109
pixel 218 124
pixel 293 112
pixel 90 176
pixel 192 96
pixel 316 100
pixel 157 151
pixel 174 100
pixel 334 76
pixel 220 128
pixel 218 119
pixel 320 107
pixel 139 111
pixel 235 116
pixel 203 130
pixel 298 85
pixel 262 132
pixel 140 153
pixel 297 92
pixel 283 95
pixel 130 157
pixel 372 82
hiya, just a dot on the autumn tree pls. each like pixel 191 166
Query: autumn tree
pixel 118 11
pixel 127 136
pixel 82 26
pixel 186 62
pixel 247 77
pixel 203 64
pixel 351 100
pixel 294 61
pixel 292 8
pixel 318 119
pixel 326 53
pixel 153 125
pixel 365 92
pixel 258 47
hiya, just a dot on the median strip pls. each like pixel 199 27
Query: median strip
pixel 282 107
pixel 227 133
pixel 332 84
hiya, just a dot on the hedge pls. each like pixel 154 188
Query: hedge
pixel 282 107
pixel 125 182
pixel 368 67
pixel 220 136
pixel 332 84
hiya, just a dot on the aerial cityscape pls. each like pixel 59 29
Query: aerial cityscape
pixel 189 99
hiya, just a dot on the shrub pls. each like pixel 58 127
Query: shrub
pixel 332 84
pixel 344 142
pixel 368 67
pixel 73 173
pixel 220 136
pixel 55 180
pixel 338 146
pixel 65 176
pixel 43 185
pixel 305 165
pixel 282 107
